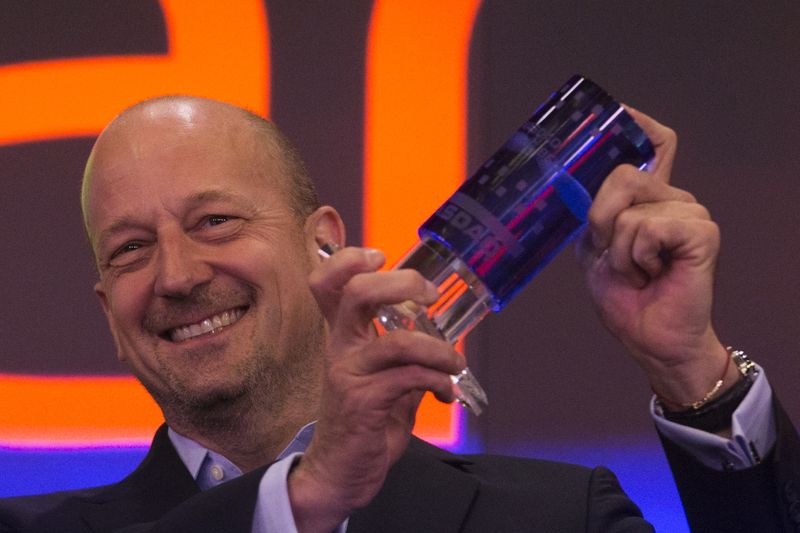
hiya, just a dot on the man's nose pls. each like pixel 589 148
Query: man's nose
pixel 181 267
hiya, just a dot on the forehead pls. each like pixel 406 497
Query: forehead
pixel 147 165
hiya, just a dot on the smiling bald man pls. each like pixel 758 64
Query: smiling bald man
pixel 284 410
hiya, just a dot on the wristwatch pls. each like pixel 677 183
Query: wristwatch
pixel 715 415
pixel 745 365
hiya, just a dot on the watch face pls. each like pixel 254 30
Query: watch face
pixel 743 363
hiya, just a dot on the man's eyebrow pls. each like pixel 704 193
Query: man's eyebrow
pixel 218 195
pixel 118 225
pixel 197 199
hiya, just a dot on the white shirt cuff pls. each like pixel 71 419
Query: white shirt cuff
pixel 273 513
pixel 753 432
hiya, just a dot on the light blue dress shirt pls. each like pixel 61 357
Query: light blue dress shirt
pixel 753 432
pixel 753 435
pixel 273 512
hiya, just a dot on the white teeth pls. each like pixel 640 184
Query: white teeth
pixel 207 325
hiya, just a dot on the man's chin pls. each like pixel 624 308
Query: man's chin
pixel 212 397
pixel 192 399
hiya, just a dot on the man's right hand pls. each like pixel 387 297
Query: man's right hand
pixel 649 256
pixel 371 390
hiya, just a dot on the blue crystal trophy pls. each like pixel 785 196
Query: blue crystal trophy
pixel 512 216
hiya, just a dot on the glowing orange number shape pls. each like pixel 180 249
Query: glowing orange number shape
pixel 415 133
pixel 415 114
pixel 213 51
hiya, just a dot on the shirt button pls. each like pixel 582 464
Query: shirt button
pixel 217 473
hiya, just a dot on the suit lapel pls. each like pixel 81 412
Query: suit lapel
pixel 425 491
pixel 160 483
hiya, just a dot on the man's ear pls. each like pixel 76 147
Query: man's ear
pixel 324 226
pixel 103 297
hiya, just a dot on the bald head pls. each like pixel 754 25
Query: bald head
pixel 171 121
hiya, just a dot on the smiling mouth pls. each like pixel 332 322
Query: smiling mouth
pixel 207 326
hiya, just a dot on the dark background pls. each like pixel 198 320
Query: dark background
pixel 723 74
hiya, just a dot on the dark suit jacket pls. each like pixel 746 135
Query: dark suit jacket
pixel 427 490
pixel 765 498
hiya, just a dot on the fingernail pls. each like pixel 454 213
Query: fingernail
pixel 374 256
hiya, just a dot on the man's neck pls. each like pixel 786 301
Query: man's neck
pixel 249 438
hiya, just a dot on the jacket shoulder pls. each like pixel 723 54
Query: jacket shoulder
pixel 21 513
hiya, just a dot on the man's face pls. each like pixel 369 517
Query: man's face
pixel 203 265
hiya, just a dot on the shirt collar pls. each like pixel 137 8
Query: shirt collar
pixel 193 454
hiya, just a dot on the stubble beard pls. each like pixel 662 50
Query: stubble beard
pixel 267 383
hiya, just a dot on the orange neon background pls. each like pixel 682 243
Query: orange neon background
pixel 416 83
pixel 415 134
pixel 214 51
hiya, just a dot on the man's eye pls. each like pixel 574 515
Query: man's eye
pixel 124 255
pixel 125 248
pixel 217 226
pixel 216 220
